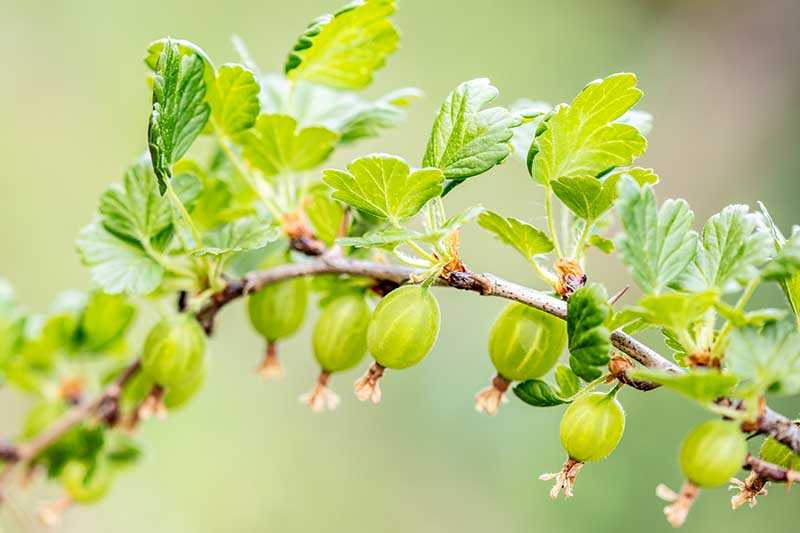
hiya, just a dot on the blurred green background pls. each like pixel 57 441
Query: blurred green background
pixel 722 79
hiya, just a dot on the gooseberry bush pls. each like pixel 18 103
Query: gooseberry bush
pixel 232 200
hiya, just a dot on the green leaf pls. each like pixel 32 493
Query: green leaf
pixel 728 253
pixel 344 49
pixel 532 113
pixel 116 265
pixel 234 99
pixel 676 310
pixel 105 320
pixel 238 236
pixel 589 343
pixel 180 111
pixel 343 112
pixel 786 262
pixel 135 209
pixel 586 196
pixel 601 243
pixel 704 386
pixel 568 383
pixel 384 186
pixel 767 358
pixel 523 237
pixel 582 138
pixel 324 213
pixel 791 285
pixel 740 318
pixel 276 146
pixel 538 394
pixel 467 140
pixel 658 245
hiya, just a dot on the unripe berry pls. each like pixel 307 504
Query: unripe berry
pixel 592 426
pixel 404 327
pixel 85 484
pixel 525 343
pixel 340 335
pixel 277 311
pixel 712 453
pixel 174 351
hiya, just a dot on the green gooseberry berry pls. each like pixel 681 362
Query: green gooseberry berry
pixel 712 453
pixel 174 351
pixel 340 334
pixel 592 427
pixel 86 483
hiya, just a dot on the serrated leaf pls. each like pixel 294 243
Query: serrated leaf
pixel 641 120
pixel 740 318
pixel 538 393
pixel 388 238
pixel 135 209
pixel 704 386
pixel 467 140
pixel 117 266
pixel 657 245
pixel 384 186
pixel 180 111
pixel 567 380
pixel 234 99
pixel 344 49
pixel 731 248
pixel 589 343
pixel 677 310
pixel 586 196
pixel 324 213
pixel 343 112
pixel 786 262
pixel 238 236
pixel 275 145
pixel 532 113
pixel 523 237
pixel 767 358
pixel 791 285
pixel 582 138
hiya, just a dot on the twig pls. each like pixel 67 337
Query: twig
pixel 770 471
pixel 770 422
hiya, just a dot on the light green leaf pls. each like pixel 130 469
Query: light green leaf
pixel 767 358
pixel 642 176
pixel 601 243
pixel 728 253
pixel 582 138
pixel 388 238
pixel 238 236
pixel 343 112
pixel 786 262
pixel 467 140
pixel 275 145
pixel 704 386
pixel 538 393
pixel 740 318
pixel 105 320
pixel 523 237
pixel 344 49
pixel 567 380
pixel 135 209
pixel 234 99
pixel 589 343
pixel 641 120
pixel 117 266
pixel 658 245
pixel 324 213
pixel 180 111
pixel 586 196
pixel 676 310
pixel 790 286
pixel 532 113
pixel 384 186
